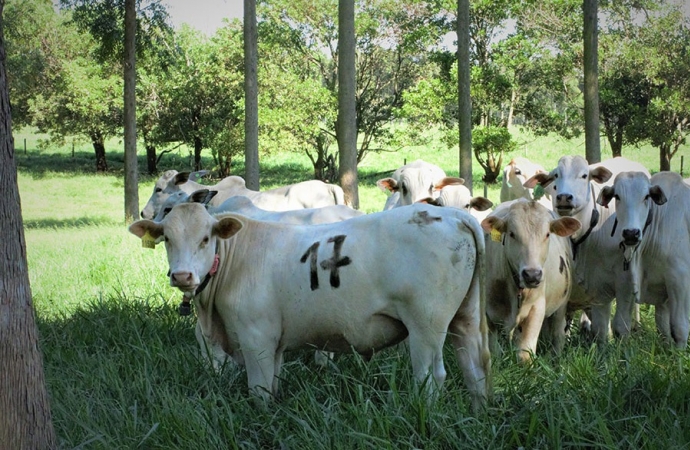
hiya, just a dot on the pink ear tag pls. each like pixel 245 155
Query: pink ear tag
pixel 214 267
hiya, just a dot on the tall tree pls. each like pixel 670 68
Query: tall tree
pixel 130 114
pixel 590 39
pixel 464 100
pixel 347 102
pixel 251 97
pixel 25 419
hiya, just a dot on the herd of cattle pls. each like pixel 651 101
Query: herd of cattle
pixel 294 267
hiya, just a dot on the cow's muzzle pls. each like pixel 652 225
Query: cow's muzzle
pixel 185 281
pixel 631 236
pixel 532 277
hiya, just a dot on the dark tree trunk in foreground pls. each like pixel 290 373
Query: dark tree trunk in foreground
pixel 665 157
pixel 347 112
pixel 151 159
pixel 251 95
pixel 130 80
pixel 25 420
pixel 464 100
pixel 99 148
pixel 591 69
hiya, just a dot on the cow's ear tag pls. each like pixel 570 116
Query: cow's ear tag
pixel 147 241
pixel 496 235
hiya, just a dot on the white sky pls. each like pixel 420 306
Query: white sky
pixel 204 15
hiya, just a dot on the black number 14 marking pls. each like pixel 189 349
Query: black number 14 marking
pixel 332 264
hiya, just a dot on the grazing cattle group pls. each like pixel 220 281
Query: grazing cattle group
pixel 295 267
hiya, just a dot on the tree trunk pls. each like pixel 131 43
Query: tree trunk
pixel 99 148
pixel 591 71
pixel 464 100
pixel 251 95
pixel 151 159
pixel 347 112
pixel 25 419
pixel 198 146
pixel 130 80
pixel 665 157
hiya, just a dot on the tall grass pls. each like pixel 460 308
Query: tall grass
pixel 123 368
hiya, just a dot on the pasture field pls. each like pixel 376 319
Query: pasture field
pixel 123 368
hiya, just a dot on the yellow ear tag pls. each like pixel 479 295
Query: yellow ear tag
pixel 496 235
pixel 147 241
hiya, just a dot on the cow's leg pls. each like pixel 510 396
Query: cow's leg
pixel 678 301
pixel 625 310
pixel 468 331
pixel 260 360
pixel 531 322
pixel 426 354
pixel 210 350
pixel 601 321
pixel 555 328
pixel 662 317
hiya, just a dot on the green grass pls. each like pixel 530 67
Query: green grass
pixel 123 369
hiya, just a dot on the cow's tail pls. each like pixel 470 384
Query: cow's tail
pixel 479 281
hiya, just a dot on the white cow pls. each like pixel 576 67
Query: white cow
pixel 653 225
pixel 455 194
pixel 306 194
pixel 515 174
pixel 529 273
pixel 599 277
pixel 242 205
pixel 338 287
pixel 411 183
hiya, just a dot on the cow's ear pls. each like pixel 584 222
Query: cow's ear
pixel 448 181
pixel 565 226
pixel 181 178
pixel 605 196
pixel 544 179
pixel 388 184
pixel 600 174
pixel 226 227
pixel 141 227
pixel 202 196
pixel 430 201
pixel 493 223
pixel 199 174
pixel 481 203
pixel 657 194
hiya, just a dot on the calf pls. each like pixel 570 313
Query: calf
pixel 262 288
pixel 529 272
pixel 411 183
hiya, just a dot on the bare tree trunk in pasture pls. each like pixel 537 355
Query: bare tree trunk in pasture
pixel 98 142
pixel 347 113
pixel 251 95
pixel 591 70
pixel 130 112
pixel 151 159
pixel 464 100
pixel 198 147
pixel 25 419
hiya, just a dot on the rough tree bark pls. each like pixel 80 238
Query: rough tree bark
pixel 591 69
pixel 251 95
pixel 347 113
pixel 98 143
pixel 25 419
pixel 130 80
pixel 464 100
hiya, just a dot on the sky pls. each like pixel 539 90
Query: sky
pixel 204 15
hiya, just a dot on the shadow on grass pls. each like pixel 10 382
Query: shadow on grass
pixel 68 223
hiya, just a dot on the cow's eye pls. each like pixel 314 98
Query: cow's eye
pixel 511 234
pixel 616 197
pixel 157 190
pixel 548 235
pixel 204 241
pixel 518 172
pixel 555 176
pixel 584 177
pixel 165 238
pixel 404 190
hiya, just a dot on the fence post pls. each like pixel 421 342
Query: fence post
pixel 24 146
pixel 72 149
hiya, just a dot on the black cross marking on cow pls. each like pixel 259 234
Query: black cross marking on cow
pixel 336 261
pixel 332 264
